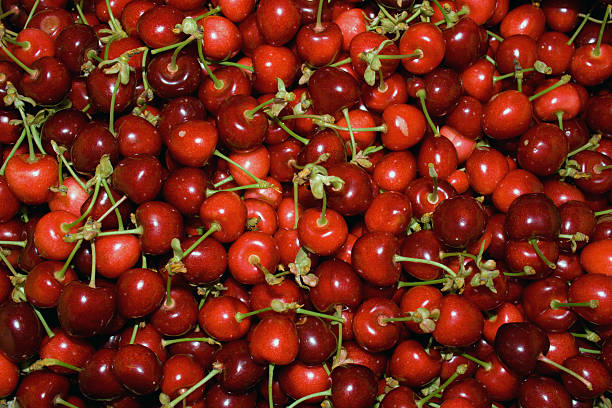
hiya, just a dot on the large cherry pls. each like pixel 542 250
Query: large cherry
pixel 353 386
pixel 459 221
pixel 332 89
pixel 21 332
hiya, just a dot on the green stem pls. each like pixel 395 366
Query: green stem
pixel 486 365
pixel 345 112
pixel 8 264
pixel 79 10
pixel 110 15
pixel 534 244
pixel 399 258
pixel 271 366
pixel 67 227
pixel 461 369
pixel 169 290
pixel 421 94
pixel 492 34
pixel 197 385
pixel 339 340
pixel 208 13
pixel 321 315
pixel 210 192
pixel 235 64
pixel 559 115
pixel 317 27
pixel 294 135
pixel 597 51
pixel 45 326
pixel 566 370
pixel 173 67
pixel 341 62
pixel 60 401
pixel 46 362
pixel 112 209
pixel 224 181
pixel 136 231
pixel 295 205
pixel 491 60
pixel 8 13
pixel 579 29
pixel 12 152
pixel 92 278
pixel 232 162
pixel 511 74
pixel 28 130
pixel 213 228
pixel 444 13
pixel 22 44
pixel 249 113
pixel 297 402
pixel 21 244
pixel 590 351
pixel 241 316
pixel 170 342
pixel 111 118
pixel 602 212
pixel 562 81
pixel 322 221
pixel 556 304
pixel 59 275
pixel 421 283
pixel 417 54
pixel 31 14
pixel 218 84
pixel 114 204
pixel 134 333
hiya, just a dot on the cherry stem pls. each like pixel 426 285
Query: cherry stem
pixel 112 208
pixel 241 316
pixel 68 166
pixel 453 254
pixel 579 29
pixel 599 169
pixel 297 402
pixel 341 62
pixel 396 319
pixel 422 95
pixel 42 320
pixel 114 204
pixel 60 401
pixel 22 44
pixel 208 13
pixel 79 10
pixel 580 378
pixel 380 128
pixel 461 369
pixel 322 221
pixel 345 112
pixel 556 304
pixel 586 350
pixel 317 27
pixel 31 14
pixel 491 60
pixel 484 364
pixel 597 51
pixel 170 342
pixel 214 227
pixel 433 196
pixel 559 115
pixel 168 301
pixel 173 67
pixel 15 243
pixel 417 54
pixel 511 74
pixel 8 13
pixel 59 275
pixel 218 84
pixel 291 132
pixel 92 279
pixel 321 315
pixel 399 258
pixel 492 34
pixel 527 271
pixel 210 192
pixel 421 283
pixel 249 113
pixel 232 162
pixel 66 227
pixel 110 15
pixel 602 212
pixel 12 152
pixel 444 13
pixel 136 231
pixel 46 362
pixel 197 385
pixel 562 81
pixel 271 366
pixel 534 244
pixel 7 263
pixel 235 64
pixel 111 116
pixel 592 143
pixel 134 333
pixel 296 210
pixel 224 181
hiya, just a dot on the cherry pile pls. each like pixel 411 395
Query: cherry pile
pixel 302 203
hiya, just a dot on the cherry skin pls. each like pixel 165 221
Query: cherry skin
pixel 536 391
pixel 84 311
pixel 161 223
pixel 459 221
pixel 192 143
pixel 180 372
pixel 137 368
pixel 412 365
pixel 156 24
pixel 542 149
pixel 537 298
pixel 11 379
pixel 520 345
pixel 177 111
pixel 177 314
pixel 41 388
pixel 218 318
pixel 371 330
pixel 170 80
pixel 516 183
pixel 29 180
pixel 43 287
pixel 319 44
pixel 21 331
pixel 592 286
pixel 137 136
pixel 332 90
pixel 251 254
pixel 206 263
pixel 92 142
pixel 131 287
pixel 49 83
pixel 278 21
pixel 338 285
pixel 67 349
pixel 322 238
pixel 101 86
pixel 427 39
pixel 353 386
pixel 138 177
pixel 226 209
pixel 422 245
pixel 317 340
pixel 239 371
pixel 463 44
pixel 372 258
pixel 455 312
pixel 238 129
pixel 270 63
pixel 355 195
pixel 507 115
pixel 97 379
pixel 299 380
pixel 405 126
pixel 532 215
pixel 274 340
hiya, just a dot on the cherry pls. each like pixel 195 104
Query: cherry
pixel 155 26
pixel 217 397
pixel 67 349
pixel 322 233
pixel 146 336
pixel 278 21
pixel 177 111
pixel 137 368
pixel 178 314
pixel 218 318
pixel 459 221
pixel 239 372
pixel 353 386
pixel 180 372
pixel 332 89
pixel 29 179
pixel 172 76
pixel 45 282
pixel 507 115
pixel 469 389
pixel 536 391
pixel 532 215
pixel 592 287
pixel 316 338
pixel 160 223
pixel 227 210
pixel 319 43
pixel 84 310
pixel 271 63
pixel 428 40
pixel 11 378
pixel 561 16
pixel 595 164
pixel 374 327
pixel 412 365
pixel 540 304
pixel 464 44
pixel 542 149
pixel 42 389
pixel 299 380
pixel 131 287
pixel 47 82
pixel 239 128
pixel 516 183
pixel 405 126
pixel 97 380
pixel 192 143
pixel 138 177
pixel 21 331
pixel 93 141
pixel 455 312
pixel 274 340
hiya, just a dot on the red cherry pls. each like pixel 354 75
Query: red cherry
pixel 274 340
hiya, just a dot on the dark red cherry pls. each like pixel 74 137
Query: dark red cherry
pixel 332 90
pixel 459 221
pixel 20 331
